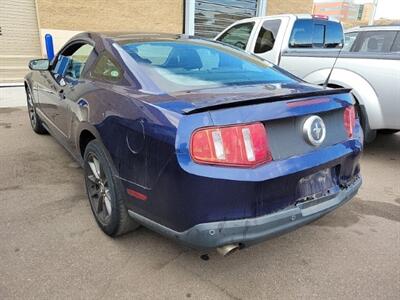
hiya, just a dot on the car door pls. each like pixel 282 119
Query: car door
pixel 59 91
pixel 269 35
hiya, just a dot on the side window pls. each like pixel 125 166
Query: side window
pixel 267 35
pixel 238 35
pixel 374 41
pixel 310 33
pixel 78 60
pixel 106 69
pixel 349 39
pixel 396 44
pixel 71 62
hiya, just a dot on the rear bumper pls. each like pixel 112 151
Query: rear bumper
pixel 253 230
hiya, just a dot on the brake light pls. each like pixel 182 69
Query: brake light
pixel 322 17
pixel 240 145
pixel 349 118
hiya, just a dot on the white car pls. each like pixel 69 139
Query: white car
pixel 307 46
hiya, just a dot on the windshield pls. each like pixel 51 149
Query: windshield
pixel 179 66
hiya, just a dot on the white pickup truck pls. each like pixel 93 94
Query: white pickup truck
pixel 307 47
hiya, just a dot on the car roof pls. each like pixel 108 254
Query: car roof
pixel 125 37
pixel 293 16
pixel 375 28
pixel 140 36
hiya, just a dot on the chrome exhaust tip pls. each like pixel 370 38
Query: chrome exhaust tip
pixel 227 249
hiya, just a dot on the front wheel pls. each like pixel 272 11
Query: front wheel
pixel 34 119
pixel 104 192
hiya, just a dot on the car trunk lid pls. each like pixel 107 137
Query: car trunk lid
pixel 195 101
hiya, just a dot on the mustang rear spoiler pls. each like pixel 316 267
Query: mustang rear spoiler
pixel 235 103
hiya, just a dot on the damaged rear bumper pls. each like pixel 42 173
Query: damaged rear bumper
pixel 253 230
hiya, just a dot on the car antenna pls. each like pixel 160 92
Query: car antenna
pixel 333 66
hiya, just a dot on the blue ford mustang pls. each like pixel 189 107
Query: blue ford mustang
pixel 194 139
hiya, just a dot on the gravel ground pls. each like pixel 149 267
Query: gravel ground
pixel 51 247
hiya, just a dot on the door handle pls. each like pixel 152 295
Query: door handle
pixel 61 94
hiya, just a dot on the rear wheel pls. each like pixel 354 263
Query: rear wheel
pixel 105 192
pixel 36 122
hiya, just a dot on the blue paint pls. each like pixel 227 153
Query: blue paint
pixel 49 46
pixel 182 193
pixel 147 131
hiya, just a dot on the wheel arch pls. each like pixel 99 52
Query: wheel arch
pixel 27 86
pixel 87 133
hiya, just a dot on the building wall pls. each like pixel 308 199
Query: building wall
pixel 19 39
pixel 63 19
pixel 368 10
pixel 333 9
pixel 276 7
pixel 343 10
pixel 115 15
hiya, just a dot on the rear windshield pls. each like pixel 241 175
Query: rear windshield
pixel 178 66
pixel 316 33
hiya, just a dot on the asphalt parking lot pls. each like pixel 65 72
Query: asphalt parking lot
pixel 51 247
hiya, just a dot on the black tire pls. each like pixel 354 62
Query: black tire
pixel 105 191
pixel 34 119
pixel 369 134
pixel 388 131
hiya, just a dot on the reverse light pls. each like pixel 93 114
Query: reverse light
pixel 239 145
pixel 349 119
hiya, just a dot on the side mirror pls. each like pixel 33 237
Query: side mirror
pixel 39 64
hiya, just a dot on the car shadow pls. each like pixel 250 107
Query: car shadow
pixel 385 145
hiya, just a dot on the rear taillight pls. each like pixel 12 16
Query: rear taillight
pixel 240 145
pixel 349 119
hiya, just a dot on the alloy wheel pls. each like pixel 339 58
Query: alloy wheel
pixel 98 189
pixel 31 110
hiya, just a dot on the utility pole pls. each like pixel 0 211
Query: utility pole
pixel 262 6
pixel 189 8
pixel 371 19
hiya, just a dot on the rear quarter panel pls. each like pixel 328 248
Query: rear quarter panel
pixel 139 136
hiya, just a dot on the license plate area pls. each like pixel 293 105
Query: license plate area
pixel 319 185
